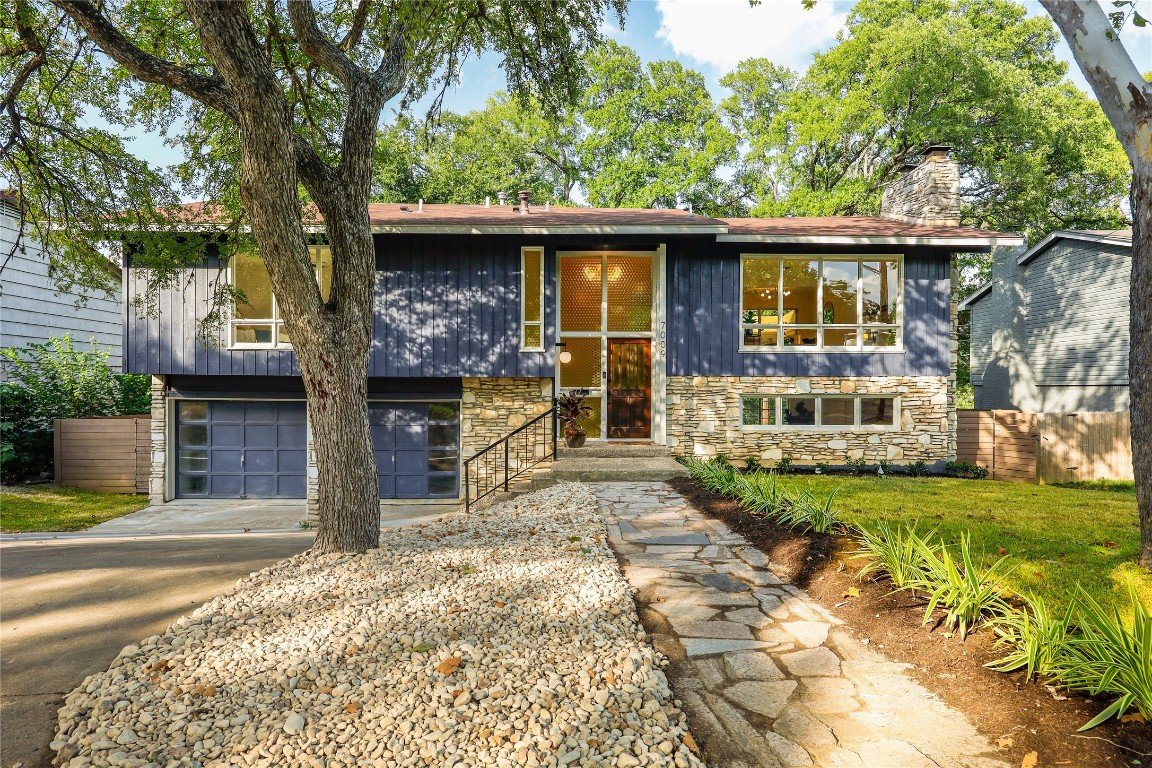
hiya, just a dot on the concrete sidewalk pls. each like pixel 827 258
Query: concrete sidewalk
pixel 70 605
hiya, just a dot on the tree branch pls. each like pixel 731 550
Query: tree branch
pixel 359 22
pixel 210 91
pixel 317 47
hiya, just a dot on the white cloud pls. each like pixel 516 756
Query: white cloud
pixel 721 33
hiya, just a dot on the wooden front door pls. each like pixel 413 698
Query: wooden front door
pixel 629 389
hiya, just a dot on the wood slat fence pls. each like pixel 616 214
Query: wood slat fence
pixel 1046 447
pixel 112 454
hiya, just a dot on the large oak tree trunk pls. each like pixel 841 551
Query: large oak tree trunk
pixel 1140 353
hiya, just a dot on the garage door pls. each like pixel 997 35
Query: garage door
pixel 241 449
pixel 417 449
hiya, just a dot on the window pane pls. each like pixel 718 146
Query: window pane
pixel 448 413
pixel 840 292
pixel 533 258
pixel 801 280
pixel 193 410
pixel 532 335
pixel 759 411
pixel 798 410
pixel 252 334
pixel 584 370
pixel 629 293
pixel 878 411
pixel 321 256
pixel 580 293
pixel 591 422
pixel 760 337
pixel 761 285
pixel 193 434
pixel 282 335
pixel 193 485
pixel 840 337
pixel 801 337
pixel 442 461
pixel 249 275
pixel 441 485
pixel 443 435
pixel 879 337
pixel 837 411
pixel 881 286
pixel 194 461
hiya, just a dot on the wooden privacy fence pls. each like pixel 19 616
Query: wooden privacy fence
pixel 1046 447
pixel 112 454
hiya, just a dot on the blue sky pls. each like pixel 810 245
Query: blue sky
pixel 710 36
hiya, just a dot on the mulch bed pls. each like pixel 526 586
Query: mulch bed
pixel 1002 706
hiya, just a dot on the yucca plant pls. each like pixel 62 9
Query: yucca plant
pixel 816 516
pixel 1036 636
pixel 1104 656
pixel 897 550
pixel 761 495
pixel 964 591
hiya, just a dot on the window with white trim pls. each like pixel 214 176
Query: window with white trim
pixel 532 299
pixel 819 411
pixel 834 303
pixel 256 321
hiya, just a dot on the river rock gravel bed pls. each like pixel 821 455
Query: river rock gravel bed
pixel 507 637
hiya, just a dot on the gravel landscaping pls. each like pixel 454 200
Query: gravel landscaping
pixel 507 637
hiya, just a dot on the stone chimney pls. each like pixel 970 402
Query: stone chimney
pixel 927 192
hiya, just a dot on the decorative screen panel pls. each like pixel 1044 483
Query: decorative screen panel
pixel 585 368
pixel 581 294
pixel 629 293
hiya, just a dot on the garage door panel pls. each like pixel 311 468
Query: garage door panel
pixel 227 411
pixel 411 486
pixel 226 460
pixel 383 436
pixel 291 461
pixel 260 486
pixel 263 412
pixel 411 462
pixel 291 486
pixel 411 414
pixel 291 436
pixel 443 435
pixel 193 435
pixel 259 435
pixel 227 435
pixel 412 436
pixel 260 460
pixel 442 485
pixel 387 486
pixel 192 485
pixel 227 485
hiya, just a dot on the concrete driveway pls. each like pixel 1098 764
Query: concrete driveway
pixel 70 604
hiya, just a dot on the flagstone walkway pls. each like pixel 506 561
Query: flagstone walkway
pixel 770 679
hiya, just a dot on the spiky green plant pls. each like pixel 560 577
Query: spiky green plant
pixel 761 495
pixel 898 551
pixel 1105 656
pixel 1036 637
pixel 813 515
pixel 967 593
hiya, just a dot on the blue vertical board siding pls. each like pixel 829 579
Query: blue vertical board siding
pixel 704 328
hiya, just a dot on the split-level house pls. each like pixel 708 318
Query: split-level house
pixel 820 339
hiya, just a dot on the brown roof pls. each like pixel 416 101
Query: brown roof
pixel 480 219
pixel 850 226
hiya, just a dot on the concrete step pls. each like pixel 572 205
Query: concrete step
pixel 613 451
pixel 638 468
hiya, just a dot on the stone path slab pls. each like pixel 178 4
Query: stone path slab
pixel 769 678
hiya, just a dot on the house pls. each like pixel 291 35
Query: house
pixel 32 311
pixel 1050 331
pixel 815 338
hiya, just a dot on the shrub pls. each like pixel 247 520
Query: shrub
pixel 752 464
pixel 857 466
pixel 965 592
pixel 784 465
pixel 918 468
pixel 822 467
pixel 884 467
pixel 1107 657
pixel 966 469
pixel 897 550
pixel 1036 635
pixel 57 381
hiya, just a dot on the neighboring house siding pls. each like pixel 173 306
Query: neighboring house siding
pixel 704 326
pixel 31 311
pixel 1052 335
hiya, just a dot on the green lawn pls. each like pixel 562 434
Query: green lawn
pixel 1058 536
pixel 56 508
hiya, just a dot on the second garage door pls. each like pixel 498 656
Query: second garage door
pixel 417 449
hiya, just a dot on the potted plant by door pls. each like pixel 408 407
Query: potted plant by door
pixel 572 410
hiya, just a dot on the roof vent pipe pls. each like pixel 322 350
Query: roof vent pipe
pixel 420 206
pixel 524 195
pixel 487 202
pixel 502 197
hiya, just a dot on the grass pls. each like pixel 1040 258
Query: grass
pixel 1055 536
pixel 56 508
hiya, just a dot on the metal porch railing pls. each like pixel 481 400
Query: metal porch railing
pixel 494 467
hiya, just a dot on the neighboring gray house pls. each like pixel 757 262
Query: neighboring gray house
pixel 30 308
pixel 1050 331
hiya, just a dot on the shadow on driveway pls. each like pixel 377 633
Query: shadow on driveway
pixel 70 605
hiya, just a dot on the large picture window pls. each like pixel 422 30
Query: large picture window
pixel 819 412
pixel 835 303
pixel 532 299
pixel 256 321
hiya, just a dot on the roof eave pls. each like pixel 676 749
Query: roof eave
pixel 561 229
pixel 940 242
pixel 1066 234
pixel 980 293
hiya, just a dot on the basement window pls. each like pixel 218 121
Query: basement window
pixel 823 412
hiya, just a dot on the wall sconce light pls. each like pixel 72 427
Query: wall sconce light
pixel 565 355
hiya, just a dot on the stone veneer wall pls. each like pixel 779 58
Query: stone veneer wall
pixel 157 481
pixel 704 419
pixel 492 408
pixel 927 193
